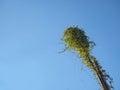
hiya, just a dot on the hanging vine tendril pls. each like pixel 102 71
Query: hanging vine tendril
pixel 77 40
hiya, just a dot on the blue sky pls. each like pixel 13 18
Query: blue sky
pixel 30 33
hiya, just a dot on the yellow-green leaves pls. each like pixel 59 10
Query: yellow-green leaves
pixel 76 39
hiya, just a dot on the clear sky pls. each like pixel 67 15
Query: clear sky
pixel 30 33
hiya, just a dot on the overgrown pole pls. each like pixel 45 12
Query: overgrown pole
pixel 76 39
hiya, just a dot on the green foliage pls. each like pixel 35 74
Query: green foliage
pixel 77 40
